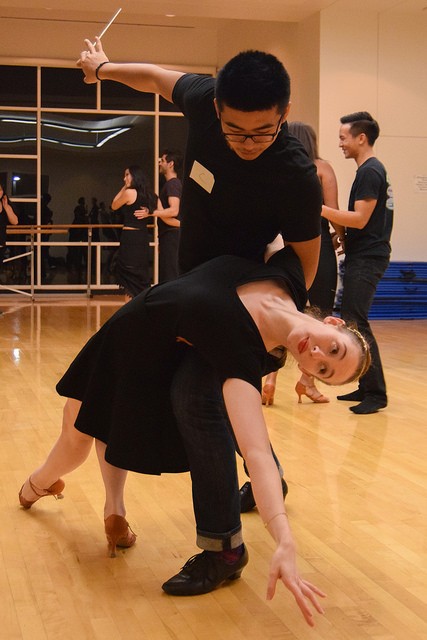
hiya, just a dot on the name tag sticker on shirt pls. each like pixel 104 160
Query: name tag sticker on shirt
pixel 202 176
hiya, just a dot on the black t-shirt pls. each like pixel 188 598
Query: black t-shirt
pixel 234 206
pixel 374 239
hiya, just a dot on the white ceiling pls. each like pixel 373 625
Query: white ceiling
pixel 189 11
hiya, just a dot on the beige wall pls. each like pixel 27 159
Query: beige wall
pixel 65 40
pixel 305 101
pixel 278 38
pixel 376 62
pixel 206 43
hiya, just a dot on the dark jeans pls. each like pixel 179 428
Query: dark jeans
pixel 205 428
pixel 361 277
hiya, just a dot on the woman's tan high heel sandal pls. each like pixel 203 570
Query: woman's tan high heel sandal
pixel 267 396
pixel 119 534
pixel 311 392
pixel 54 490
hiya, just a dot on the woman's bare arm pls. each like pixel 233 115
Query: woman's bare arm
pixel 243 405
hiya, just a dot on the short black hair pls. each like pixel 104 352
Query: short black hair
pixel 362 122
pixel 253 81
pixel 175 157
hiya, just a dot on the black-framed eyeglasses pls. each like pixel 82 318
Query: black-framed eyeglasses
pixel 256 137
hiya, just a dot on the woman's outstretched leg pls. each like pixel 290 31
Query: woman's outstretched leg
pixel 69 452
pixel 117 529
pixel 114 482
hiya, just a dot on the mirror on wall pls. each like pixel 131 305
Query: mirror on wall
pixel 75 143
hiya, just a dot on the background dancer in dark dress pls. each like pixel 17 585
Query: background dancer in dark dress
pixel 7 216
pixel 133 266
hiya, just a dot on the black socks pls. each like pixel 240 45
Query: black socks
pixel 369 405
pixel 354 396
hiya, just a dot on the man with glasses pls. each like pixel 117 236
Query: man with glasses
pixel 246 180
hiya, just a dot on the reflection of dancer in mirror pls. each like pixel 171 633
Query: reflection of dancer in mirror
pixel 168 222
pixel 133 266
pixel 94 219
pixel 46 218
pixel 7 216
pixel 322 292
pixel 77 255
pixel 238 316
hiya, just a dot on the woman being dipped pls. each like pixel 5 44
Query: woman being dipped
pixel 240 316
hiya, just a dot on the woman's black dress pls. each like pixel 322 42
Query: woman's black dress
pixel 132 270
pixel 124 373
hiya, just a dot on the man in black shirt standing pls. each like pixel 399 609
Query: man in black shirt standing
pixel 168 222
pixel 368 223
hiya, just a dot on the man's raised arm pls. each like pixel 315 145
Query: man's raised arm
pixel 140 76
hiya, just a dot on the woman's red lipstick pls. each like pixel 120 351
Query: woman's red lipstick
pixel 302 345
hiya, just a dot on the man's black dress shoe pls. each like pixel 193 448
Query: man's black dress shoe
pixel 203 573
pixel 247 500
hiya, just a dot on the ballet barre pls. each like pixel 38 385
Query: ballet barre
pixel 33 230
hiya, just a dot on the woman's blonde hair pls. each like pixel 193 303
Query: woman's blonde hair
pixel 365 358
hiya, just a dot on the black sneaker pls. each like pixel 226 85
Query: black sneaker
pixel 203 573
pixel 247 500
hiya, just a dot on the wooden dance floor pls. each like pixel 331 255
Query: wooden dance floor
pixel 357 505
